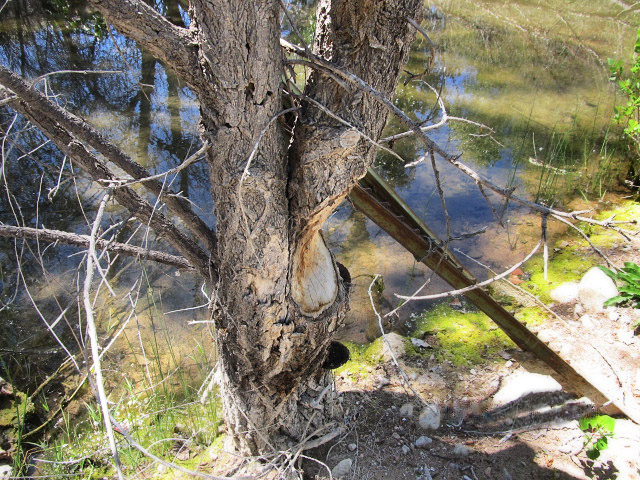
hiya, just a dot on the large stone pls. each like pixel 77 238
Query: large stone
pixel 392 343
pixel 430 417
pixel 565 293
pixel 594 289
pixel 524 383
pixel 342 469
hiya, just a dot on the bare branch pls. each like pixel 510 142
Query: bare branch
pixel 93 336
pixel 48 235
pixel 167 42
pixel 452 293
pixel 41 107
pixel 125 196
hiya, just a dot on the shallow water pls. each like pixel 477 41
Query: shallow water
pixel 535 73
pixel 538 79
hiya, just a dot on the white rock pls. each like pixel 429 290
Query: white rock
pixel 430 417
pixel 462 450
pixel 5 471
pixel 524 383
pixel 596 287
pixel 406 410
pixel 392 343
pixel 423 442
pixel 578 310
pixel 587 321
pixel 405 450
pixel 565 293
pixel 342 468
pixel 352 446
pixel 382 381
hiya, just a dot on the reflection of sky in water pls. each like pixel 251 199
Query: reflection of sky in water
pixel 113 103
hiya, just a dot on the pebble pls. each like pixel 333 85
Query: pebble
pixel 430 417
pixel 392 346
pixel 405 450
pixel 462 450
pixel 406 410
pixel 5 471
pixel 352 446
pixel 382 381
pixel 521 384
pixel 423 442
pixel 587 321
pixel 342 468
pixel 396 435
pixel 423 473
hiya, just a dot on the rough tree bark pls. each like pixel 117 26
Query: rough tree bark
pixel 280 297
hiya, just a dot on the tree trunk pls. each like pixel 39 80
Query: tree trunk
pixel 278 292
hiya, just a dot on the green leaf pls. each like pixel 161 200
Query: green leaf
pixel 593 454
pixel 602 443
pixel 615 301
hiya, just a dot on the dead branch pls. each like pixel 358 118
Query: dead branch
pixel 41 107
pixel 452 293
pixel 49 235
pixel 171 44
pixel 125 196
pixel 93 336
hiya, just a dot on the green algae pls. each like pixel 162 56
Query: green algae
pixel 464 338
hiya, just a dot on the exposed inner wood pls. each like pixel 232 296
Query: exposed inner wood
pixel 314 284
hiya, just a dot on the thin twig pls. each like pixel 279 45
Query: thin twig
pixel 77 72
pixel 452 293
pixel 93 337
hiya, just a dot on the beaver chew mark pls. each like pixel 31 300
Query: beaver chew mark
pixel 314 284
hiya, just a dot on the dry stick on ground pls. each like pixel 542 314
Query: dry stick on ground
pixel 93 336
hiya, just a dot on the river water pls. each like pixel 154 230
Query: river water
pixel 533 71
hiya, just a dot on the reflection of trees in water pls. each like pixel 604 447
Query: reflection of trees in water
pixel 155 115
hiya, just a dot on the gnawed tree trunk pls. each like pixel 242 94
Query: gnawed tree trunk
pixel 279 294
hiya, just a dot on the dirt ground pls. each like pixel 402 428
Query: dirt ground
pixel 534 436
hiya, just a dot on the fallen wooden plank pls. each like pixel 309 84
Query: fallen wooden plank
pixel 382 205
